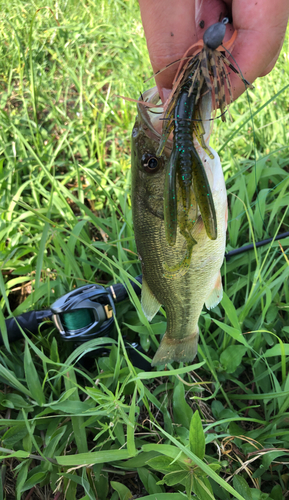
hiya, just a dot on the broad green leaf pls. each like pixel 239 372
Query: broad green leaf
pixel 242 487
pixel 54 351
pixel 32 378
pixel 202 465
pixel 202 488
pixel 70 485
pixel 189 485
pixel 164 496
pixel 21 478
pixel 12 400
pixel 215 466
pixel 94 457
pixel 236 430
pixel 272 455
pixel 102 484
pixel 119 433
pixel 168 450
pixel 72 407
pixel 82 481
pixel 177 371
pixel 86 483
pixel 33 480
pixel 14 434
pixel 149 481
pixel 182 411
pixel 77 421
pixel 232 357
pixel 123 492
pixel 53 442
pixel 12 381
pixel 276 493
pixel 277 350
pixel 230 311
pixel 197 436
pixel 16 454
pixel 165 464
pixel 140 460
pixel 176 477
pixel 233 332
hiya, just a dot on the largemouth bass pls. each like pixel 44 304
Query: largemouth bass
pixel 183 295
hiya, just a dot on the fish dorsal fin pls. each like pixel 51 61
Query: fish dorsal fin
pixel 216 294
pixel 150 305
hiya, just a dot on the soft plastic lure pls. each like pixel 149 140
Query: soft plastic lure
pixel 208 64
pixel 186 163
pixel 206 71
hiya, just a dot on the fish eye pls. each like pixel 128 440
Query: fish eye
pixel 150 162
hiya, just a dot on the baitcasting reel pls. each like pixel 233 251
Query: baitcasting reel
pixel 84 313
pixel 80 315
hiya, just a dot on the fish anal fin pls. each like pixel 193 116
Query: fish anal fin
pixel 216 294
pixel 150 305
pixel 180 350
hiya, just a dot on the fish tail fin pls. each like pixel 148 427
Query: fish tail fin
pixel 180 350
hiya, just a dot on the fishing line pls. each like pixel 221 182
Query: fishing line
pixel 185 119
pixel 254 114
pixel 254 136
pixel 253 204
pixel 264 157
pixel 166 67
pixel 193 119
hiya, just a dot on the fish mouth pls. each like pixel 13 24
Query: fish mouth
pixel 152 118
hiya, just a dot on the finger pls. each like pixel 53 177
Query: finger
pixel 169 27
pixel 273 62
pixel 209 12
pixel 261 29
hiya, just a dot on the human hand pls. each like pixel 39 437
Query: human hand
pixel 172 26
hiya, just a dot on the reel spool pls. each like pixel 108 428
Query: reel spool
pixel 84 313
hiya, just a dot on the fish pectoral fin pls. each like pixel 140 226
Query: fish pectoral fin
pixel 216 294
pixel 150 305
pixel 196 227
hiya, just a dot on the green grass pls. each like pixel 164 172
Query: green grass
pixel 218 427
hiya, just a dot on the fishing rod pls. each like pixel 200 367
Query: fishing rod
pixel 88 312
pixel 251 246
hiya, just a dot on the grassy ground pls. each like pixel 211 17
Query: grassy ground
pixel 218 428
